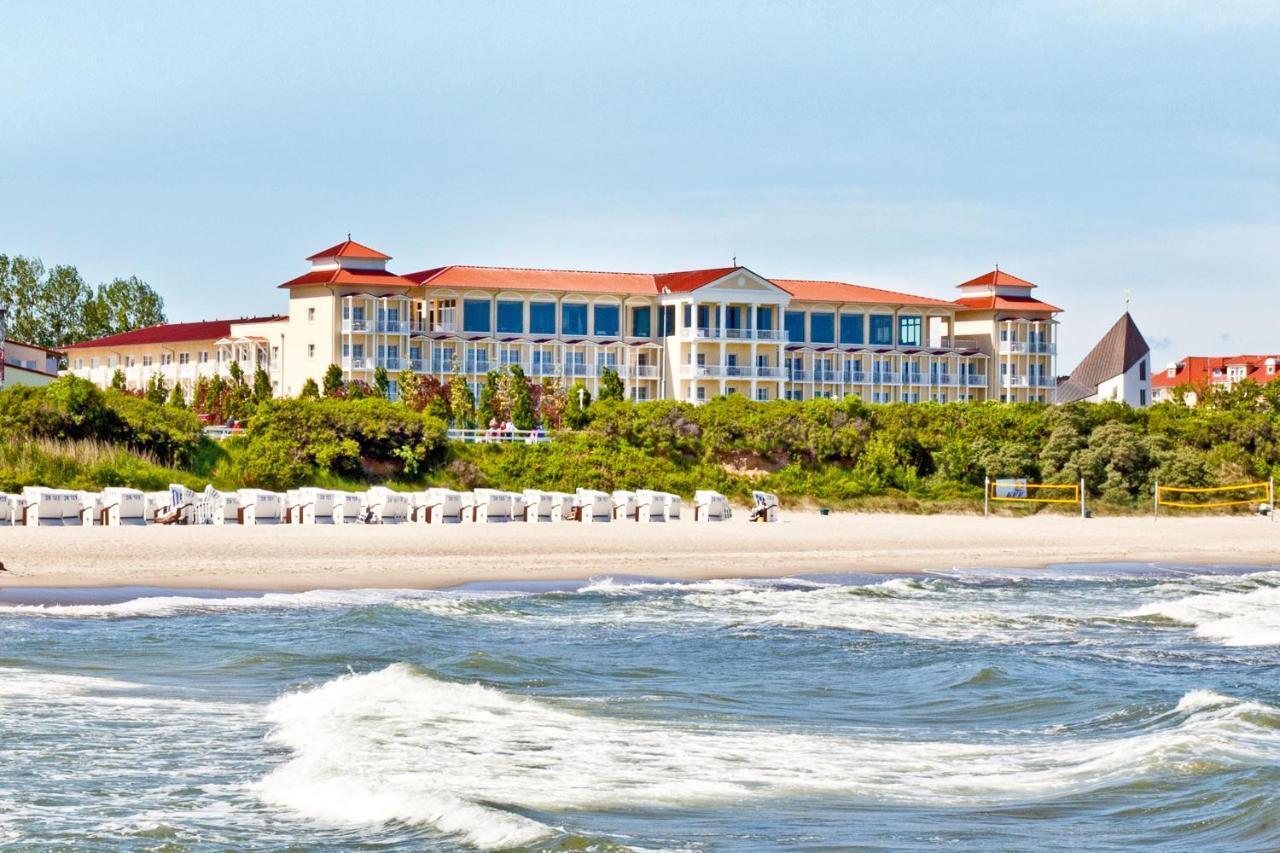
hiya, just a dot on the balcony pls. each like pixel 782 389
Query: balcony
pixel 885 379
pixel 577 369
pixel 639 371
pixel 943 379
pixel 349 364
pixel 391 327
pixel 958 343
pixel 1013 381
pixel 477 365
pixel 1028 348
pixel 733 371
pixel 909 378
pixel 732 334
pixel 544 368
pixel 392 364
pixel 854 377
pixel 350 325
pixel 975 380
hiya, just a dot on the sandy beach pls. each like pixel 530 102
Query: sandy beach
pixel 416 556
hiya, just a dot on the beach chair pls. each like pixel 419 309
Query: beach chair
pixel 467 503
pixel 591 505
pixel 562 505
pixel 259 506
pixel 671 506
pixel 710 506
pixel 346 507
pixel 492 505
pixel 650 505
pixel 50 507
pixel 444 506
pixel 765 507
pixel 385 506
pixel 123 507
pixel 310 505
pixel 182 502
pixel 224 507
pixel 89 508
pixel 538 506
pixel 624 505
pixel 6 509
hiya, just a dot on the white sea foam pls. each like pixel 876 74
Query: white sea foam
pixel 398 745
pixel 1246 614
pixel 180 605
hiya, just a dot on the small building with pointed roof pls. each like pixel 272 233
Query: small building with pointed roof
pixel 1117 368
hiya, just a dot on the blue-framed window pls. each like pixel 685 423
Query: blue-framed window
pixel 475 315
pixel 795 326
pixel 851 328
pixel 909 330
pixel 764 317
pixel 573 318
pixel 542 318
pixel 641 322
pixel 822 327
pixel 882 329
pixel 510 317
pixel 606 320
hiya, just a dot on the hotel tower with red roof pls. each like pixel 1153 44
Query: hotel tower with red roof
pixel 688 336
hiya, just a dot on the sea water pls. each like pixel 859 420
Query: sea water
pixel 1091 707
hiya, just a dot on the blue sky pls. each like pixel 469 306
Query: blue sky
pixel 1091 147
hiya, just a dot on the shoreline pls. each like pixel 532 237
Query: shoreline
pixel 294 559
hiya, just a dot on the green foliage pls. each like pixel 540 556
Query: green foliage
pixel 118 381
pixel 461 403
pixel 261 386
pixel 577 412
pixel 610 385
pixel 521 399
pixel 55 307
pixel 157 391
pixel 332 382
pixel 177 399
pixel 310 390
pixel 488 408
pixel 288 441
pixel 381 382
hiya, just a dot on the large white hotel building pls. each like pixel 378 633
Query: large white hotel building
pixel 679 336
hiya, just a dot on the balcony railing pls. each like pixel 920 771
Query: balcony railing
pixel 393 364
pixel 349 363
pixel 1028 348
pixel 544 368
pixel 976 380
pixel 477 365
pixel 1013 381
pixel 730 333
pixel 854 377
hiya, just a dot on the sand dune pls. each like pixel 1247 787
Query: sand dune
pixel 296 558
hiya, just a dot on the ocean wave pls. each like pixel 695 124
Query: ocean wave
pixel 156 606
pixel 398 745
pixel 1247 613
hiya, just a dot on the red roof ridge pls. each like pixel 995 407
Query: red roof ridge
pixel 349 248
pixel 782 282
pixel 997 277
pixel 199 329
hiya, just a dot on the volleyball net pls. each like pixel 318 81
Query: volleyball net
pixel 1215 497
pixel 1022 492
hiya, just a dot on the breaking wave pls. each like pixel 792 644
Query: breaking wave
pixel 1234 611
pixel 398 745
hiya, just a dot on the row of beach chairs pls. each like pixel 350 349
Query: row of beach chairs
pixel 379 505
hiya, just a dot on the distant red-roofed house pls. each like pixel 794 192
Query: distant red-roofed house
pixel 1187 379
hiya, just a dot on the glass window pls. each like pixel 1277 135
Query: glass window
pixel 606 320
pixel 573 318
pixel 510 316
pixel 851 329
pixel 909 330
pixel 822 328
pixel 641 323
pixel 475 315
pixel 764 317
pixel 542 318
pixel 795 326
pixel 667 321
pixel 882 329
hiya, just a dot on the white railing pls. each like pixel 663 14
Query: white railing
pixel 731 334
pixel 349 325
pixel 1013 381
pixel 218 433
pixel 481 436
pixel 976 380
pixel 349 363
pixel 1013 347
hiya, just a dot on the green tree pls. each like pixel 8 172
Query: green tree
pixel 61 300
pixel 20 280
pixel 332 382
pixel 461 403
pixel 122 305
pixel 157 390
pixel 611 385
pixel 236 373
pixel 118 381
pixel 487 409
pixel 521 399
pixel 381 383
pixel 577 406
pixel 177 399
pixel 261 386
pixel 411 391
pixel 310 390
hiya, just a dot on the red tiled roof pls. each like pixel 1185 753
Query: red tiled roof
pixel 338 275
pixel 838 291
pixel 1005 303
pixel 350 249
pixel 997 277
pixel 683 282
pixel 1199 370
pixel 173 333
pixel 496 278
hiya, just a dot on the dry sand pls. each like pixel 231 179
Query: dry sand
pixel 415 556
